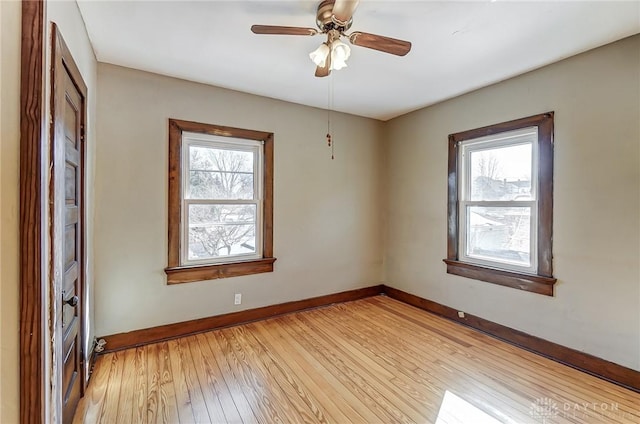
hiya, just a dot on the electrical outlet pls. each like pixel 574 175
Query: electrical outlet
pixel 460 314
pixel 237 300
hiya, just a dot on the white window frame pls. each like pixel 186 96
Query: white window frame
pixel 190 139
pixel 517 137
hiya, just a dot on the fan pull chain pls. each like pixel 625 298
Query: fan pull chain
pixel 329 128
pixel 330 142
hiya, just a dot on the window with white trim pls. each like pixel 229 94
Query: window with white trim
pixel 498 200
pixel 222 203
pixel 500 210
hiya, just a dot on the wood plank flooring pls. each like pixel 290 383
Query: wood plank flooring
pixel 374 360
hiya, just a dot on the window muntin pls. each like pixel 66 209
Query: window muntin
pixel 222 205
pixel 497 200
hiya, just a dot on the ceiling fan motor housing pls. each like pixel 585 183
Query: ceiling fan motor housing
pixel 325 20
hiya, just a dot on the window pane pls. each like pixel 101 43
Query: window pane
pixel 221 230
pixel 499 234
pixel 220 174
pixel 502 173
pixel 211 159
pixel 220 185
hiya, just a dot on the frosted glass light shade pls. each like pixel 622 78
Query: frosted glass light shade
pixel 319 55
pixel 340 52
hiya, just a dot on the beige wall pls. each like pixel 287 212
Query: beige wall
pixel 596 97
pixel 67 16
pixel 9 157
pixel 327 236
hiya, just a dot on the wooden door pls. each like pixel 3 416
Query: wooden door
pixel 67 190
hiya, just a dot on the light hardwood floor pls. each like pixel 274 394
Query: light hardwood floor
pixel 374 360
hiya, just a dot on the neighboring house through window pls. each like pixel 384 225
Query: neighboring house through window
pixel 501 204
pixel 220 202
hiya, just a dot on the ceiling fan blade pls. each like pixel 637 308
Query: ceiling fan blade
pixel 324 71
pixel 378 42
pixel 282 30
pixel 343 10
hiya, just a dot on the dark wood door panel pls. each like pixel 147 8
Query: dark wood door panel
pixel 70 338
pixel 71 214
pixel 71 275
pixel 71 341
pixel 69 246
pixel 70 282
pixel 68 122
pixel 72 155
pixel 70 177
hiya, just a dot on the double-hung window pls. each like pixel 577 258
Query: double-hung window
pixel 497 204
pixel 220 202
pixel 500 204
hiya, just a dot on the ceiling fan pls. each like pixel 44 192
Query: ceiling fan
pixel 333 18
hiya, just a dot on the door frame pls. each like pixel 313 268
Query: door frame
pixel 37 376
pixel 33 145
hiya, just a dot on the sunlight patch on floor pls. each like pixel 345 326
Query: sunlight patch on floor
pixel 455 410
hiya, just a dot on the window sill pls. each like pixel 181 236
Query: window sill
pixel 531 283
pixel 189 274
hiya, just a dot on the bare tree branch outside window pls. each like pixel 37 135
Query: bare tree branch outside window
pixel 218 228
pixel 489 166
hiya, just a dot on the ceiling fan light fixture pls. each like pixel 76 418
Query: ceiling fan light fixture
pixel 334 18
pixel 319 55
pixel 340 52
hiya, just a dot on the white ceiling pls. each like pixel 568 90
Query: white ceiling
pixel 457 46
